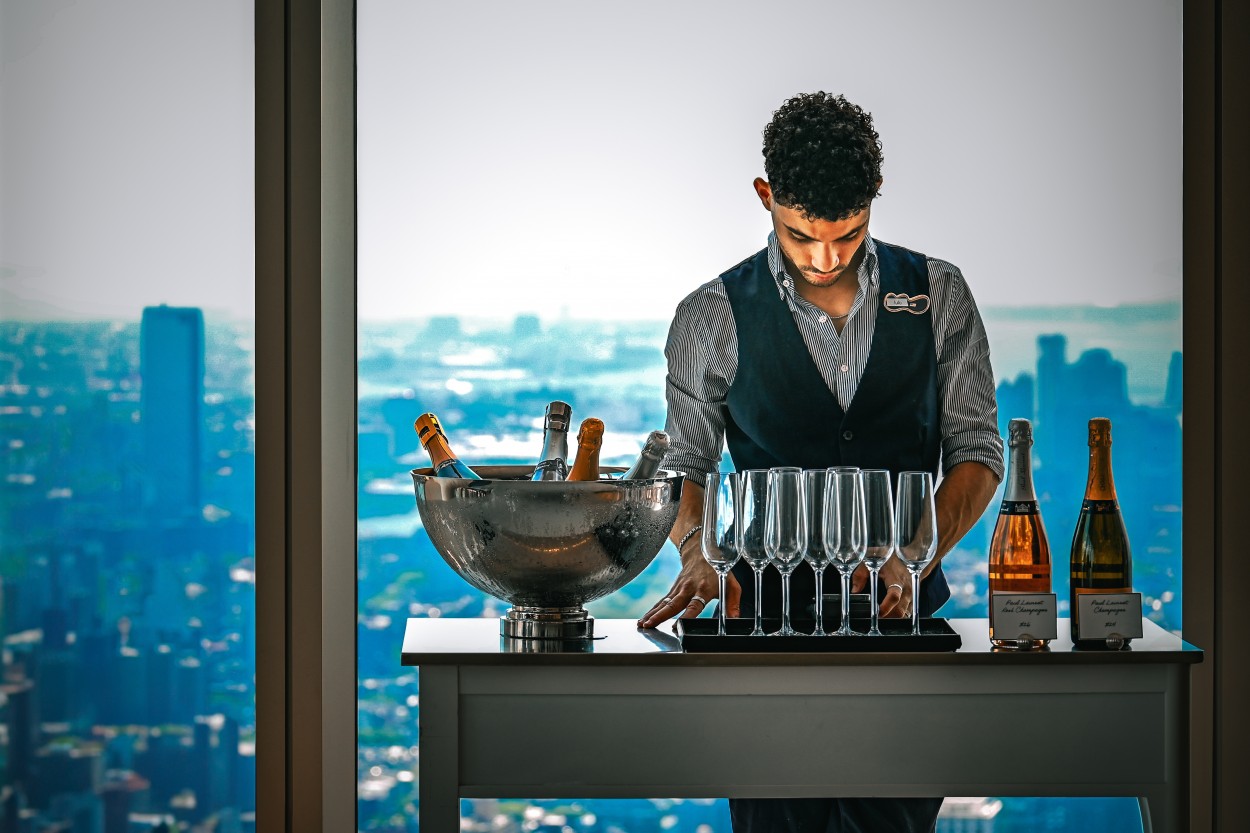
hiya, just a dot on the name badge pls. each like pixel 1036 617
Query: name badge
pixel 901 302
pixel 1109 616
pixel 1024 616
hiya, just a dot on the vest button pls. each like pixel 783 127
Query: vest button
pixel 848 436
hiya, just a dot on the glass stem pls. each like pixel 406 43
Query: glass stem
pixel 759 603
pixel 785 603
pixel 820 601
pixel 915 603
pixel 872 589
pixel 846 602
pixel 720 603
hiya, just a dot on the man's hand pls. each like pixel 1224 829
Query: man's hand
pixel 961 497
pixel 896 602
pixel 696 584
pixel 694 589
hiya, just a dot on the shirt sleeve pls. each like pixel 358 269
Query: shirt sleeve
pixel 696 385
pixel 969 409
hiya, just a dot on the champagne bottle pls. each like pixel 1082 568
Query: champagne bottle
pixel 650 458
pixel 434 441
pixel 553 462
pixel 589 441
pixel 1019 552
pixel 1101 561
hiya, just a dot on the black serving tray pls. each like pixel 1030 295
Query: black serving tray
pixel 700 636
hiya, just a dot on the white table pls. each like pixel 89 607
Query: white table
pixel 633 716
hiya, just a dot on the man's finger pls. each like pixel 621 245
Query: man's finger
pixel 733 600
pixel 664 609
pixel 694 607
pixel 892 604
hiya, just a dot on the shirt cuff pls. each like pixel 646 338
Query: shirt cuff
pixel 985 456
pixel 694 468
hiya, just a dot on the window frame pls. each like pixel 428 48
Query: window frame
pixel 306 429
pixel 305 415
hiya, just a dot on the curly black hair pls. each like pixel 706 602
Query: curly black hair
pixel 822 156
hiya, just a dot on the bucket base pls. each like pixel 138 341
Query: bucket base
pixel 547 623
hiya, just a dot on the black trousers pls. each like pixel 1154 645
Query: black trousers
pixel 834 815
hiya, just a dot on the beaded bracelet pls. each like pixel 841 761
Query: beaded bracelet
pixel 690 533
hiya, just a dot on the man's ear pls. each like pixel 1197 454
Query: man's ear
pixel 765 192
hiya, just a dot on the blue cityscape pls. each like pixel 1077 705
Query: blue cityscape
pixel 127 529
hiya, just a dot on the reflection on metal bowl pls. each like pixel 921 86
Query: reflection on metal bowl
pixel 547 547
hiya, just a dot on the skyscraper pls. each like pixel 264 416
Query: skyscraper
pixel 171 363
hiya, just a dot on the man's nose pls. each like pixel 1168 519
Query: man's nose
pixel 825 259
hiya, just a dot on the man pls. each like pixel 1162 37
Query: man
pixel 828 348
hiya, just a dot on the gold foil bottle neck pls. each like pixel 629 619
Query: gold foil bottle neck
pixel 1099 432
pixel 427 426
pixel 1019 433
pixel 591 433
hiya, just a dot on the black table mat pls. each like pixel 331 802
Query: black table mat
pixel 700 636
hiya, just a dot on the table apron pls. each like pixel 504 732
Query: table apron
pixel 793 731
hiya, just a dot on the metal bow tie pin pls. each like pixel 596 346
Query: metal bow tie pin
pixel 902 302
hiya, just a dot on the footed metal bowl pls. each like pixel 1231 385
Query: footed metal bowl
pixel 547 547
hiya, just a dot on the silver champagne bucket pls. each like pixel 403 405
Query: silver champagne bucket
pixel 547 548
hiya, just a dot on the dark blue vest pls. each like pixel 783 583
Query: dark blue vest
pixel 780 412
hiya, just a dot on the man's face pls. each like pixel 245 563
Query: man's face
pixel 820 250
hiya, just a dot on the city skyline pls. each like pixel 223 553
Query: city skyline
pixel 165 613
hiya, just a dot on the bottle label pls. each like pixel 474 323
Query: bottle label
pixel 1024 616
pixel 1100 507
pixel 450 467
pixel 1108 615
pixel 1018 507
pixel 556 465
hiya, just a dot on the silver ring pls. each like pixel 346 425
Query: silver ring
pixel 699 599
pixel 899 586
pixel 666 600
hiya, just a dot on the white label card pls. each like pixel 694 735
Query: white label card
pixel 1108 615
pixel 1024 616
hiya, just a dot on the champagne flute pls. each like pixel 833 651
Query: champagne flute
pixel 845 532
pixel 749 532
pixel 720 550
pixel 879 506
pixel 785 532
pixel 915 524
pixel 814 508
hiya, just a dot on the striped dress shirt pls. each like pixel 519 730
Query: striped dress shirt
pixel 702 353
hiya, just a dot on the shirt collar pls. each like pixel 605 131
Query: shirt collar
pixel 869 274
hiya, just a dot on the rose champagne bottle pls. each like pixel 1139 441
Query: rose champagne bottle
pixel 434 441
pixel 553 462
pixel 1019 552
pixel 1101 560
pixel 589 441
pixel 650 458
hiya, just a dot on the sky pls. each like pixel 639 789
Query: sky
pixel 125 157
pixel 566 158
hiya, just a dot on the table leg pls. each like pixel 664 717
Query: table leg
pixel 1161 811
pixel 1144 807
pixel 439 732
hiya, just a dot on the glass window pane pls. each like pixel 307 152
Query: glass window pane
pixel 126 408
pixel 541 186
